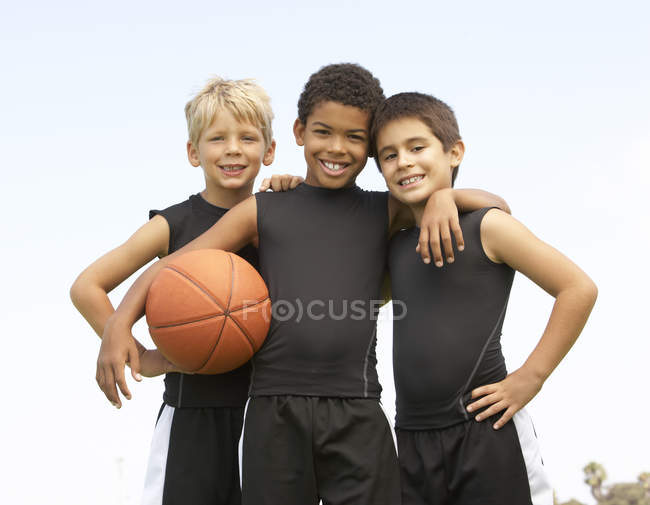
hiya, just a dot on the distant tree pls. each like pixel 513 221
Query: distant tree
pixel 632 493
pixel 626 494
pixel 595 475
pixel 644 480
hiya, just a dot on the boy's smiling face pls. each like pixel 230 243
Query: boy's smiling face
pixel 335 140
pixel 230 152
pixel 413 160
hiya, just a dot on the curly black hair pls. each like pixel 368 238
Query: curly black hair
pixel 434 113
pixel 345 83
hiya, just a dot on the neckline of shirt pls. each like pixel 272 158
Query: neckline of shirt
pixel 327 191
pixel 207 206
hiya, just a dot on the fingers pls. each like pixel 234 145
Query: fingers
pixel 295 181
pixel 423 246
pixel 434 242
pixel 106 382
pixel 266 184
pixel 483 390
pixel 492 410
pixel 120 380
pixel 511 411
pixel 484 402
pixel 276 183
pixel 458 233
pixel 445 236
pixel 134 360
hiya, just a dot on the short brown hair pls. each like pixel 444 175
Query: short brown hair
pixel 434 113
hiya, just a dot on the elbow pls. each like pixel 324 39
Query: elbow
pixel 587 292
pixel 592 291
pixel 504 206
pixel 77 291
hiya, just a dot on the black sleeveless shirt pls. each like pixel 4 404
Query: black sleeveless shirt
pixel 448 341
pixel 187 220
pixel 322 255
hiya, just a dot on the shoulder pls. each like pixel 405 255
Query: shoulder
pixel 174 212
pixel 379 197
pixel 492 219
pixel 264 196
pixel 502 235
pixel 478 215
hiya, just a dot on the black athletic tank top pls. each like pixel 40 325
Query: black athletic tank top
pixel 448 342
pixel 322 254
pixel 187 220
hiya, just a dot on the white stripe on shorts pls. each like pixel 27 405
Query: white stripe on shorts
pixel 154 480
pixel 240 447
pixel 541 492
pixel 390 425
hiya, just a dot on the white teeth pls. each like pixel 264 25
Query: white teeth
pixel 411 180
pixel 332 166
pixel 230 169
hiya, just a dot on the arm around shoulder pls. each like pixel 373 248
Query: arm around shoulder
pixel 473 199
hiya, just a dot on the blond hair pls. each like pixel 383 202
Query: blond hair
pixel 244 99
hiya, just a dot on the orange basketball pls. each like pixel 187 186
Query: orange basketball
pixel 208 311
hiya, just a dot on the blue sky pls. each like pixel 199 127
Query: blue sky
pixel 553 104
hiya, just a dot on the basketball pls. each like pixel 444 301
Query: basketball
pixel 208 311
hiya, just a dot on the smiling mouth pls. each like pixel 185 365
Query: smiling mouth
pixel 410 181
pixel 232 170
pixel 332 167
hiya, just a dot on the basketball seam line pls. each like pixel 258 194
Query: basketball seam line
pixel 232 282
pixel 188 322
pixel 226 310
pixel 225 314
pixel 204 290
pixel 250 340
pixel 216 343
pixel 244 307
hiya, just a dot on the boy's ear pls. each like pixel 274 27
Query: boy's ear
pixel 269 155
pixel 193 154
pixel 299 132
pixel 457 152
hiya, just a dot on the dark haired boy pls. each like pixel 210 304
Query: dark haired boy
pixel 447 350
pixel 314 428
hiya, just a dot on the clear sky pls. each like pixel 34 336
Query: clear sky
pixel 553 101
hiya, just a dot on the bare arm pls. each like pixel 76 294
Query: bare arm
pixel 233 231
pixel 468 200
pixel 505 240
pixel 89 293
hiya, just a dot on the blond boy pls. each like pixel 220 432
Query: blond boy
pixel 194 450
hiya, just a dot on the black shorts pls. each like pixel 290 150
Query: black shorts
pixel 194 457
pixel 473 464
pixel 299 449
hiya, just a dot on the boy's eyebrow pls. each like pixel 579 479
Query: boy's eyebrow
pixel 360 130
pixel 385 148
pixel 408 141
